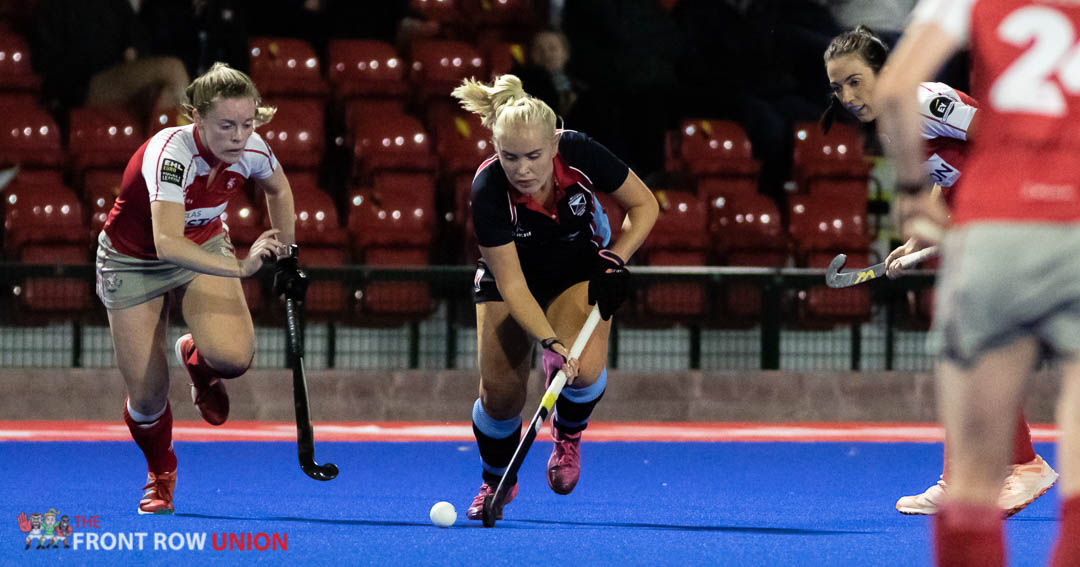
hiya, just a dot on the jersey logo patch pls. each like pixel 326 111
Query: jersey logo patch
pixel 941 107
pixel 172 171
pixel 577 204
pixel 941 172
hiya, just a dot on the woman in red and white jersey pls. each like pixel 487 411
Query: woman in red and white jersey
pixel 947 123
pixel 1009 285
pixel 164 242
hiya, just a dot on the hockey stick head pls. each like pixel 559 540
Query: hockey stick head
pixel 490 514
pixel 328 471
pixel 832 273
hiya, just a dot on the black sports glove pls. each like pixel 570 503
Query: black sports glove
pixel 289 279
pixel 610 284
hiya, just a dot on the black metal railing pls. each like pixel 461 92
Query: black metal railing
pixel 422 317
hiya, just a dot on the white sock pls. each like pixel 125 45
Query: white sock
pixel 141 418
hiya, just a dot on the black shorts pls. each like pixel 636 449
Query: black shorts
pixel 545 284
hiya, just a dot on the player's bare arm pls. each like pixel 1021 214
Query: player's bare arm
pixel 172 246
pixel 279 204
pixel 641 212
pixel 504 264
pixel 936 209
pixel 920 54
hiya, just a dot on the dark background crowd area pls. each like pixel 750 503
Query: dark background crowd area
pixel 636 67
pixel 714 103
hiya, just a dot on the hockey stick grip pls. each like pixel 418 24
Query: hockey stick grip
pixel 915 258
pixel 576 349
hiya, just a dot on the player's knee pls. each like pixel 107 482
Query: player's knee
pixel 232 364
pixel 502 402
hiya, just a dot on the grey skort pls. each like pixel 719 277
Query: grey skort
pixel 1000 282
pixel 124 281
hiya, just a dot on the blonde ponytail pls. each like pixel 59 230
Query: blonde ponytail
pixel 504 104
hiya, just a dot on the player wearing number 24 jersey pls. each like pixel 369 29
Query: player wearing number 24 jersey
pixel 1009 286
pixel 947 122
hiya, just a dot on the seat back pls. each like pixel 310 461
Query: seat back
pixel 16 72
pixel 297 133
pixel 462 143
pixel 439 66
pixel 394 141
pixel 285 66
pixel 28 134
pixel 103 137
pixel 363 67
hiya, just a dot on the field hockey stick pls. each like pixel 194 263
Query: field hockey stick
pixel 835 278
pixel 294 332
pixel 493 502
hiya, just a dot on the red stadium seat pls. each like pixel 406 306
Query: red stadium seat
pixel 822 227
pixel 745 230
pixel 439 66
pixel 442 11
pixel 322 244
pixel 317 219
pixel 399 211
pixel 325 299
pixel 502 56
pixel 62 296
pixel 826 223
pixel 285 66
pixel 682 222
pixel 389 141
pixel 165 119
pixel 395 299
pixel 679 238
pixel 16 72
pixel 829 157
pixel 462 143
pixel 393 224
pixel 297 133
pixel 714 147
pixel 742 299
pixel 103 138
pixel 41 211
pixel 100 188
pixel 744 222
pixel 360 67
pixel 43 224
pixel 28 134
pixel 825 307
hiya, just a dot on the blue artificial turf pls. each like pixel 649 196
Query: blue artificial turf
pixel 638 503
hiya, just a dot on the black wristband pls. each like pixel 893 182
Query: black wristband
pixel 911 187
pixel 546 343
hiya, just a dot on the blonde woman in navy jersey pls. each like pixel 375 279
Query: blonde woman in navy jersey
pixel 545 258
pixel 164 242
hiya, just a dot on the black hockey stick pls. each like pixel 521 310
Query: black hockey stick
pixel 835 278
pixel 493 502
pixel 295 289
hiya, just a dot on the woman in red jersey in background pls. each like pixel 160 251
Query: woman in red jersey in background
pixel 947 123
pixel 1009 286
pixel 164 242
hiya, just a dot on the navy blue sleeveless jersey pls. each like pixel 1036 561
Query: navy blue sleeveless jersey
pixel 561 238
